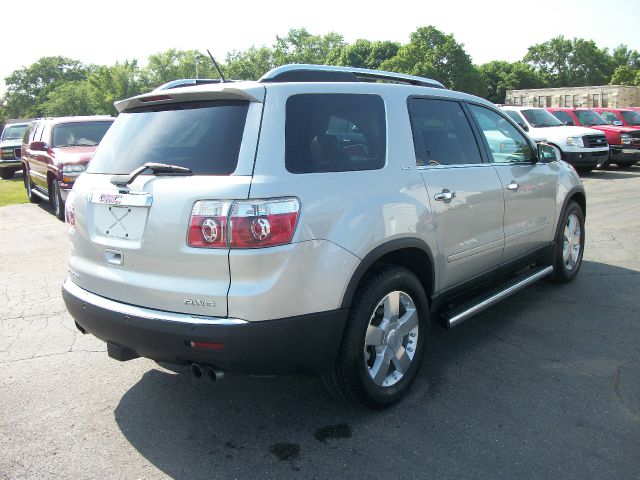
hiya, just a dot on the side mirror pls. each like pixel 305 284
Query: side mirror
pixel 548 153
pixel 570 123
pixel 38 146
pixel 617 123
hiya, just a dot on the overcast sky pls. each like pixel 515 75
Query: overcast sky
pixel 106 32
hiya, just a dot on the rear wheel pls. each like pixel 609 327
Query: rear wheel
pixel 33 198
pixel 56 200
pixel 627 164
pixel 584 169
pixel 384 340
pixel 6 173
pixel 569 244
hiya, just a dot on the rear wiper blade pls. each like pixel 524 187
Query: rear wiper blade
pixel 156 168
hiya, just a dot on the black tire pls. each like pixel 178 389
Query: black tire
pixel 6 173
pixel 33 198
pixel 564 269
pixel 351 377
pixel 627 164
pixel 57 205
pixel 583 170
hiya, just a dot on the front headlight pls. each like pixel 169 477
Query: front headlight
pixel 72 169
pixel 625 138
pixel 575 141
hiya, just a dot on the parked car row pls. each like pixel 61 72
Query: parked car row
pixel 55 151
pixel 587 138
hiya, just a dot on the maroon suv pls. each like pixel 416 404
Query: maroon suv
pixel 55 151
pixel 624 142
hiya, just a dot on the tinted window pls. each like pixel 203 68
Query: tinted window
pixel 563 117
pixel 515 116
pixel 589 117
pixel 79 134
pixel 538 117
pixel 609 117
pixel 631 117
pixel 441 133
pixel 507 144
pixel 334 133
pixel 202 136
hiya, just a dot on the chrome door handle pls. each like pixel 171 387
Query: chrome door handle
pixel 444 196
pixel 513 186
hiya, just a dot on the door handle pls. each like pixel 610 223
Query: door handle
pixel 444 196
pixel 513 186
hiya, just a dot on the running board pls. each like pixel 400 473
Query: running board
pixel 40 194
pixel 460 314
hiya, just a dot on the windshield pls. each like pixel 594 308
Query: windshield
pixel 14 132
pixel 203 136
pixel 538 117
pixel 588 118
pixel 79 134
pixel 632 118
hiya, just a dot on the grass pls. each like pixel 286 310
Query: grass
pixel 12 191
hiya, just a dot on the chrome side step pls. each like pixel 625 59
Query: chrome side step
pixel 40 194
pixel 459 315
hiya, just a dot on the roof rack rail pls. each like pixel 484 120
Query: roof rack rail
pixel 327 73
pixel 187 82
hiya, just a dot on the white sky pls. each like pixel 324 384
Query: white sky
pixel 106 32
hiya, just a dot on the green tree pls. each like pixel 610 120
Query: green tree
pixel 363 54
pixel 500 76
pixel 622 56
pixel 117 82
pixel 626 75
pixel 570 63
pixel 299 46
pixel 28 88
pixel 174 64
pixel 70 98
pixel 431 53
pixel 248 64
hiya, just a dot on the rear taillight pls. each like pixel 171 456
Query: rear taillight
pixel 70 212
pixel 243 223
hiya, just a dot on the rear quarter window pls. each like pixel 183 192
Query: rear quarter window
pixel 334 133
pixel 203 136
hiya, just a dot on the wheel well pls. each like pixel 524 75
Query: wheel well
pixel 416 260
pixel 581 200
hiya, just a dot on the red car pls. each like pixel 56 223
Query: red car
pixel 622 117
pixel 55 151
pixel 624 142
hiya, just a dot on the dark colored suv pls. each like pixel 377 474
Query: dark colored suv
pixel 10 149
pixel 55 151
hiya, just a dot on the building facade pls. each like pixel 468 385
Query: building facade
pixel 614 96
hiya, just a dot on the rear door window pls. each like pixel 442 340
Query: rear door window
pixel 441 133
pixel 203 136
pixel 334 133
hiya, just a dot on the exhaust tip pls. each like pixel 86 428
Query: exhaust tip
pixel 214 374
pixel 196 370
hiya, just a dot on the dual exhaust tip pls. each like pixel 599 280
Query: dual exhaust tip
pixel 199 371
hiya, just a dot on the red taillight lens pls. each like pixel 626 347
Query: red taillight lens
pixel 243 224
pixel 208 225
pixel 263 223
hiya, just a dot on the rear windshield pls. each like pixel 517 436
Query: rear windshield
pixel 202 136
pixel 79 134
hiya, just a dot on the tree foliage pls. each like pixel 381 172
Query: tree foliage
pixel 434 54
pixel 63 86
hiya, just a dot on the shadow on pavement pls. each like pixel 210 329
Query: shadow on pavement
pixel 509 392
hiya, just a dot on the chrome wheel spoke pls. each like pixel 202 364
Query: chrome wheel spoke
pixel 408 322
pixel 375 336
pixel 381 366
pixel 392 306
pixel 401 360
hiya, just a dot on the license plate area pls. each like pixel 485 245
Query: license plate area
pixel 122 216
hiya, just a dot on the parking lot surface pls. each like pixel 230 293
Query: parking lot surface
pixel 543 385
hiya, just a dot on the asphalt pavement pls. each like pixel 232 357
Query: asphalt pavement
pixel 545 385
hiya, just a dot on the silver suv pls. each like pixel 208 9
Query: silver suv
pixel 313 222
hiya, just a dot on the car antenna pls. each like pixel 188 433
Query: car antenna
pixel 215 64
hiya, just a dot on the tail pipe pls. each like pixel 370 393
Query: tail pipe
pixel 199 371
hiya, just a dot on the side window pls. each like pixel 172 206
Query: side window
pixel 507 144
pixel 441 133
pixel 609 117
pixel 334 133
pixel 515 116
pixel 563 117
